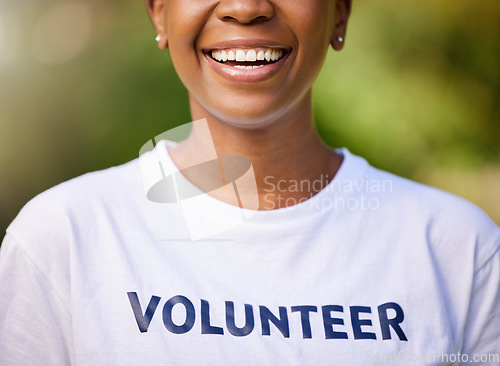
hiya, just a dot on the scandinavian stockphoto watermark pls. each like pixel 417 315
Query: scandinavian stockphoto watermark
pixel 337 194
pixel 233 178
pixel 441 358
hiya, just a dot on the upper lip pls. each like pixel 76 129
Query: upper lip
pixel 245 43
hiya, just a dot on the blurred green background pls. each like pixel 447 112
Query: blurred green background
pixel 416 91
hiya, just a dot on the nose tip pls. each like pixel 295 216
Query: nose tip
pixel 245 11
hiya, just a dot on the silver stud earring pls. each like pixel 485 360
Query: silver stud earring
pixel 158 38
pixel 340 39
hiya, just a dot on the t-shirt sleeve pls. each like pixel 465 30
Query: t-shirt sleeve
pixel 482 329
pixel 35 324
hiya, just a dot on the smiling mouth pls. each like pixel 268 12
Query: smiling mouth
pixel 247 58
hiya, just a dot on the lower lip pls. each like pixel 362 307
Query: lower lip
pixel 244 75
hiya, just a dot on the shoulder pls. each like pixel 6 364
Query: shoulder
pixel 56 214
pixel 446 226
pixel 45 236
pixel 449 222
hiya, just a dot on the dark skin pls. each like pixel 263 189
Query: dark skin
pixel 265 114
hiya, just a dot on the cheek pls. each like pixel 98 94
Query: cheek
pixel 312 18
pixel 312 23
pixel 185 20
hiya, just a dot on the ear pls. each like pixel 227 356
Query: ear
pixel 342 13
pixel 156 12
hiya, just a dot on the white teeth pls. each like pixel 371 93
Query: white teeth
pixel 268 55
pixel 248 55
pixel 240 56
pixel 248 67
pixel 251 56
pixel 224 56
pixel 216 55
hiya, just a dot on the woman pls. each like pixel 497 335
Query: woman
pixel 253 242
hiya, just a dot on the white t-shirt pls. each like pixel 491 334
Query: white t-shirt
pixel 374 269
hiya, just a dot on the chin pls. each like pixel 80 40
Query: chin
pixel 247 113
pixel 250 117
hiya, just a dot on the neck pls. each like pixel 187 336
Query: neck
pixel 283 152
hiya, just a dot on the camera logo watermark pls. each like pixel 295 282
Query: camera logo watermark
pixel 189 186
